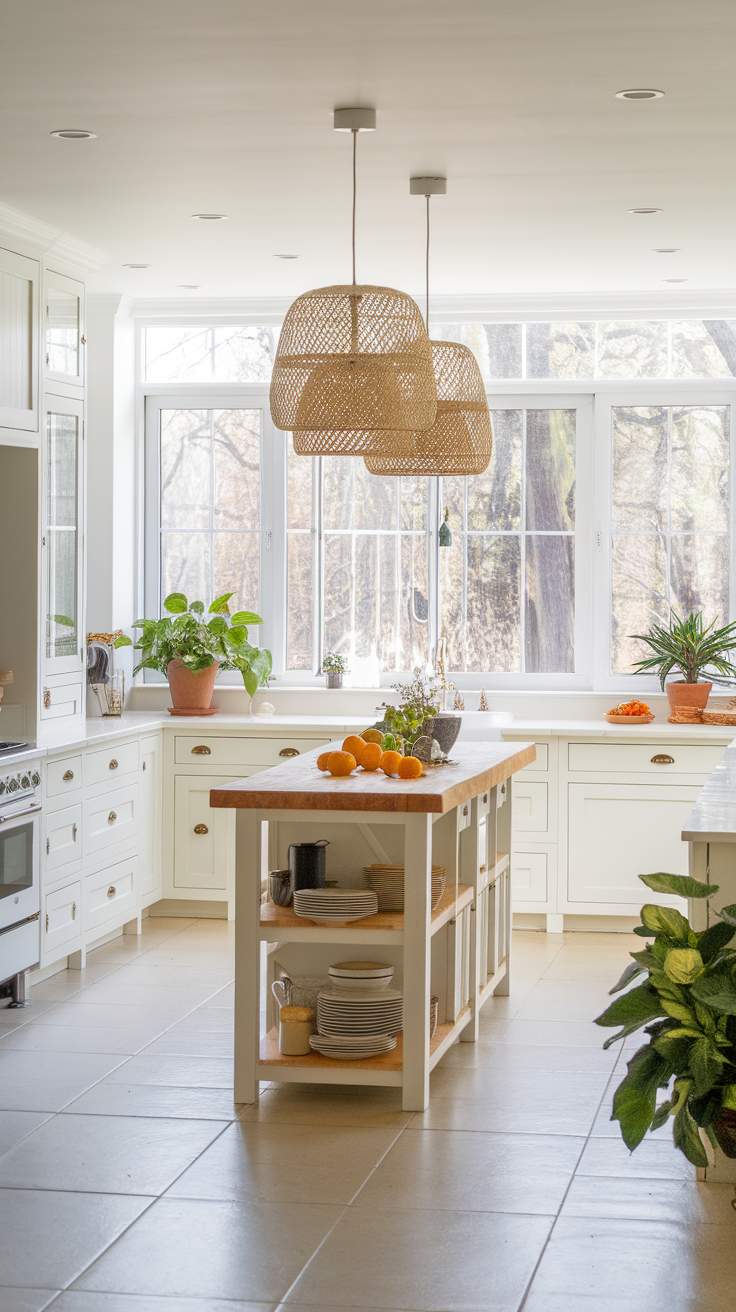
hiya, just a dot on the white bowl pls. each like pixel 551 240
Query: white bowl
pixel 363 985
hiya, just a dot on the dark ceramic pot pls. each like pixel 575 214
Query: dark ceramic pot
pixel 724 1129
pixel 444 728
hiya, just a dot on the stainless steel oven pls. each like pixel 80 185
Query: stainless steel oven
pixel 20 814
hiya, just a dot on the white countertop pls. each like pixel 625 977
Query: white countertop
pixel 713 818
pixel 659 729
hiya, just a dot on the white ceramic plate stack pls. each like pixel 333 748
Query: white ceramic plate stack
pixel 334 906
pixel 361 975
pixel 351 1013
pixel 352 1048
pixel 387 882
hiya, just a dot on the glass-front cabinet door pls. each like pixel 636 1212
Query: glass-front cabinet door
pixel 62 536
pixel 64 329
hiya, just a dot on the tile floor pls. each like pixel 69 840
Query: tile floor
pixel 131 1182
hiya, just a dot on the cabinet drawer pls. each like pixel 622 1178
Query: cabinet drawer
pixel 63 776
pixel 529 877
pixel 63 837
pixel 531 812
pixel 108 765
pixel 110 893
pixel 541 765
pixel 110 819
pixel 61 700
pixel 645 758
pixel 203 750
pixel 61 918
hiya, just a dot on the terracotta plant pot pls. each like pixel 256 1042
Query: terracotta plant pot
pixel 688 694
pixel 724 1129
pixel 191 690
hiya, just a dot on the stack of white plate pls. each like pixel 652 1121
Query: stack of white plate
pixel 361 975
pixel 347 1048
pixel 334 906
pixel 342 1012
pixel 387 882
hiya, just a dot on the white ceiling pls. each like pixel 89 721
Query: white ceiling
pixel 226 106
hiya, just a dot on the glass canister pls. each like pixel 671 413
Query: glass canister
pixel 295 1026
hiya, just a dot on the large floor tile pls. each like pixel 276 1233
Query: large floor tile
pixel 313 1104
pixel 210 1021
pixel 144 974
pixel 655 1159
pixel 125 1016
pixel 106 1154
pixel 549 1103
pixel 180 1042
pixel 616 1198
pixel 47 1239
pixel 526 1057
pixel 285 1163
pixel 68 1038
pixel 614 1266
pixel 198 1249
pixel 32 1081
pixel 570 1033
pixel 459 1171
pixel 409 1259
pixel 25 1300
pixel 120 992
pixel 14 1126
pixel 157 1100
pixel 79 1300
pixel 560 1000
pixel 190 1072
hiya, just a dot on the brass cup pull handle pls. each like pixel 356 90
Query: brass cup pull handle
pixel 289 751
pixel 201 829
pixel 113 764
pixel 112 817
pixel 201 751
pixel 111 891
pixel 663 759
pixel 74 913
pixel 67 775
pixel 46 698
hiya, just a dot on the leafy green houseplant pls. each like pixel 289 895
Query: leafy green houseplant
pixel 418 703
pixel 693 649
pixel 687 1004
pixel 188 645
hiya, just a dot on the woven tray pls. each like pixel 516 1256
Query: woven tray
pixel 686 715
pixel 718 717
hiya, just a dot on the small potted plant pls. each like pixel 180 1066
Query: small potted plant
pixel 416 713
pixel 333 667
pixel 693 649
pixel 688 1005
pixel 189 650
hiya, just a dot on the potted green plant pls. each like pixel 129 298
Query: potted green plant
pixel 693 649
pixel 189 650
pixel 688 1005
pixel 333 667
pixel 417 705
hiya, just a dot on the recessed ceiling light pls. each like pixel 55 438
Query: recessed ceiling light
pixel 286 257
pixel 136 266
pixel 209 216
pixel 675 280
pixel 666 250
pixel 645 209
pixel 188 286
pixel 73 134
pixel 639 93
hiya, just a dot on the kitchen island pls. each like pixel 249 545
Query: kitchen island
pixel 456 816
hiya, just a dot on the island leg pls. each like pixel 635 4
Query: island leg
pixel 503 844
pixel 248 832
pixel 417 959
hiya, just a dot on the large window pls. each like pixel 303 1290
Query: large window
pixel 601 510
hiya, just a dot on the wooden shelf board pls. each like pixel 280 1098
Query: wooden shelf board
pixel 445 1036
pixel 491 983
pixel 387 1061
pixel 283 924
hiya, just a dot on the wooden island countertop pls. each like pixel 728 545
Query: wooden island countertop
pixel 299 786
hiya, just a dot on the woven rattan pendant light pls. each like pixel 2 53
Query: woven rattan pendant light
pixel 352 360
pixel 460 441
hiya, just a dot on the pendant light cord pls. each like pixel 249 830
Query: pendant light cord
pixel 355 192
pixel 426 322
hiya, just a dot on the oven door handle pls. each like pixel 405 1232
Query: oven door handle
pixel 18 815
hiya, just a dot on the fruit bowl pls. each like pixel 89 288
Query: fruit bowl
pixel 613 718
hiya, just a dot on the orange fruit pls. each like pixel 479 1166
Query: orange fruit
pixel 390 762
pixel 372 736
pixel 371 756
pixel 323 759
pixel 410 767
pixel 341 763
pixel 354 745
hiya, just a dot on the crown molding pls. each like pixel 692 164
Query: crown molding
pixel 246 309
pixel 41 239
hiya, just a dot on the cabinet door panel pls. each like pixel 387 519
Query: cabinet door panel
pixel 203 838
pixel 620 831
pixel 529 877
pixel 110 820
pixel 63 837
pixel 530 807
pixel 63 499
pixel 64 329
pixel 19 283
pixel 149 817
pixel 62 919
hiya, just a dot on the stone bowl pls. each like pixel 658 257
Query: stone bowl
pixel 444 728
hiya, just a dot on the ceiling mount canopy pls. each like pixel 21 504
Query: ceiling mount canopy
pixel 460 441
pixel 353 360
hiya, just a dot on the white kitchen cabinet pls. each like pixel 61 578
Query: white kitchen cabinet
pixel 64 330
pixel 530 875
pixel 204 840
pixel 63 840
pixel 108 766
pixel 531 808
pixel 111 821
pixel 61 916
pixel 19 302
pixel 149 819
pixel 63 779
pixel 110 894
pixel 63 574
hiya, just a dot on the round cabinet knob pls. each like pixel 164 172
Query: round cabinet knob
pixel 111 891
pixel 113 764
pixel 67 775
pixel 112 817
pixel 288 751
pixel 201 829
